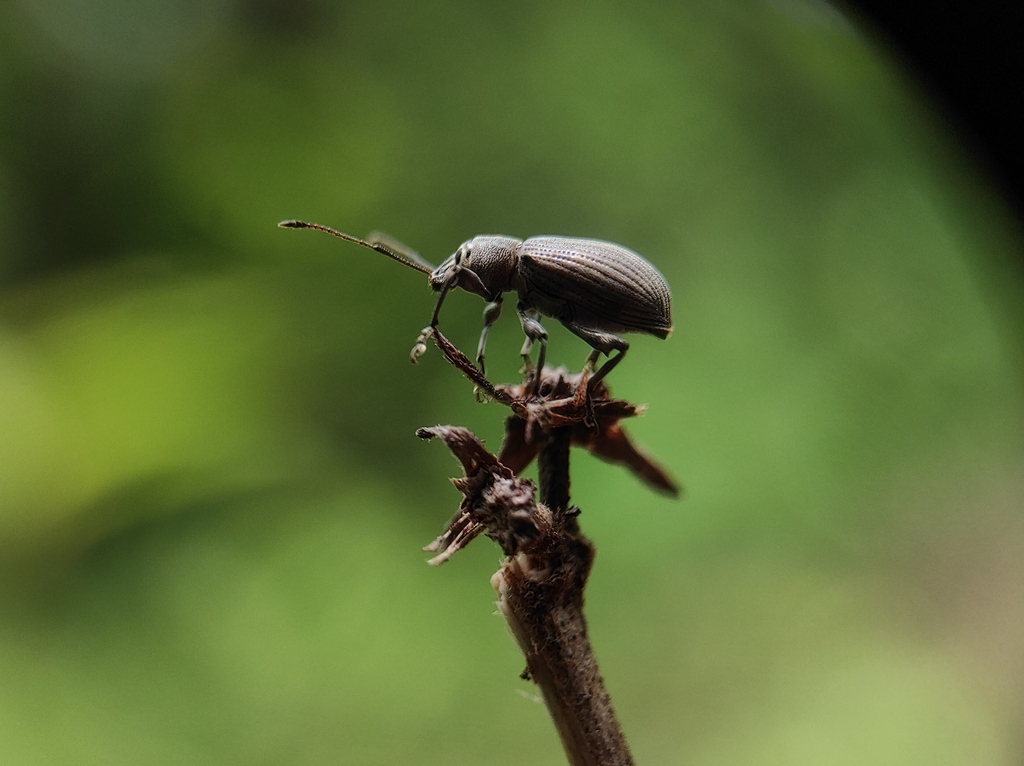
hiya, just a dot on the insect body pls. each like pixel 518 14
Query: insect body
pixel 598 290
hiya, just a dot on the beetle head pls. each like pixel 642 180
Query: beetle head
pixel 448 273
pixel 483 265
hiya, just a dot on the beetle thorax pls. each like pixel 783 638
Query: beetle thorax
pixel 493 259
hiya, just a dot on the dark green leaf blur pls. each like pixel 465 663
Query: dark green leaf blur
pixel 212 501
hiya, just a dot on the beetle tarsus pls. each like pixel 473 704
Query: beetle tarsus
pixel 421 344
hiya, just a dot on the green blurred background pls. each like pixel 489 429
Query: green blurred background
pixel 212 502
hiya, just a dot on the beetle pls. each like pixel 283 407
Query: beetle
pixel 596 289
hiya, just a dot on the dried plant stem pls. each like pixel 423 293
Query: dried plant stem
pixel 540 586
pixel 552 634
pixel 542 601
pixel 553 470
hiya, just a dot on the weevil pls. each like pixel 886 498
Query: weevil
pixel 596 289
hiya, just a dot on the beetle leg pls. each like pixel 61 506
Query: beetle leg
pixel 608 366
pixel 491 313
pixel 421 342
pixel 437 306
pixel 524 352
pixel 602 342
pixel 534 332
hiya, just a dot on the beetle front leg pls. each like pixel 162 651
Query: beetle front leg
pixel 428 332
pixel 534 331
pixel 491 313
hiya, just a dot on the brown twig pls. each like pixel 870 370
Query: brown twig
pixel 540 586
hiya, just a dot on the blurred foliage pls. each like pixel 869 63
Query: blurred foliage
pixel 211 499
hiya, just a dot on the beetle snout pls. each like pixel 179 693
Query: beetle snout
pixel 442 275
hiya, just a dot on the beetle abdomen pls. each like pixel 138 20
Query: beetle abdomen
pixel 600 284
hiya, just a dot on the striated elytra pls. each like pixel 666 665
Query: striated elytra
pixel 598 290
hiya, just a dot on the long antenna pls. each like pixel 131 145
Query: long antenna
pixel 412 262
